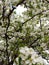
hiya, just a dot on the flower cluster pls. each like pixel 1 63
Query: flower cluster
pixel 29 57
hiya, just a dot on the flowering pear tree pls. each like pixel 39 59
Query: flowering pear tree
pixel 24 38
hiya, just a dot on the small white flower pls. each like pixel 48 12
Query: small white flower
pixel 17 59
pixel 38 60
pixel 27 62
pixel 1 41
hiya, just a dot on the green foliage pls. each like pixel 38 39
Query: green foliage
pixel 31 27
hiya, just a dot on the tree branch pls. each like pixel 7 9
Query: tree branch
pixel 3 15
pixel 11 11
pixel 32 18
pixel 6 37
pixel 32 44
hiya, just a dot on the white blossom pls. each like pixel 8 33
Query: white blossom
pixel 29 56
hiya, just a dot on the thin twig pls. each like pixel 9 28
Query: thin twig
pixel 40 23
pixel 32 44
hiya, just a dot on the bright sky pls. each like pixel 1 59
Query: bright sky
pixel 20 9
